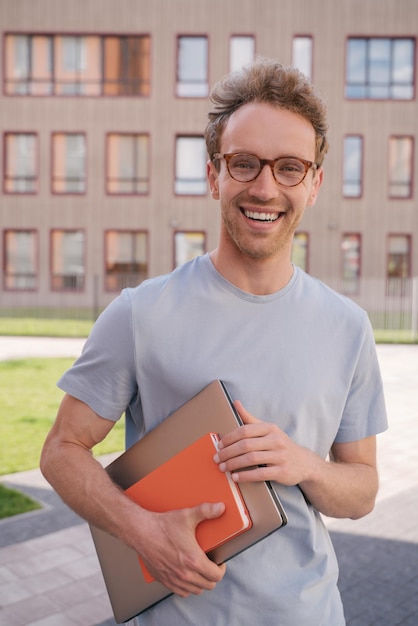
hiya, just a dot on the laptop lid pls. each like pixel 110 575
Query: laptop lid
pixel 211 410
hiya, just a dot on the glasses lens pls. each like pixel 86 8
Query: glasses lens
pixel 244 167
pixel 289 171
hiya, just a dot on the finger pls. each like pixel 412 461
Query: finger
pixel 246 417
pixel 207 510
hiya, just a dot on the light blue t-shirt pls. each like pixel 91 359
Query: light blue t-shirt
pixel 303 358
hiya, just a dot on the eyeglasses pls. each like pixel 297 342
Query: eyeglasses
pixel 287 171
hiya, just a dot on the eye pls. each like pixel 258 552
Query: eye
pixel 244 162
pixel 290 166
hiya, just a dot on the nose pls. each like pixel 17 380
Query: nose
pixel 265 186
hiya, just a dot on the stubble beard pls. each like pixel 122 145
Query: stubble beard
pixel 258 245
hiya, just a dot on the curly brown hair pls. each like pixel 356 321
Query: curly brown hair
pixel 267 80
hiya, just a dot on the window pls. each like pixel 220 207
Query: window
pixel 300 250
pixel 190 166
pixel 351 262
pixel 29 61
pixel 127 66
pixel 20 260
pixel 126 259
pixel 188 245
pixel 127 164
pixel 400 166
pixel 352 166
pixel 398 264
pixel 241 51
pixel 399 256
pixel 20 163
pixel 380 68
pixel 77 65
pixel 68 168
pixel 302 55
pixel 192 67
pixel 67 260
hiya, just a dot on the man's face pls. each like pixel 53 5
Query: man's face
pixel 260 217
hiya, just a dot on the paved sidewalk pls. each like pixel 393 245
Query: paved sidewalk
pixel 49 574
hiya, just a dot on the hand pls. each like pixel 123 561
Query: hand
pixel 263 444
pixel 172 554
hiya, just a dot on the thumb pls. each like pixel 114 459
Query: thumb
pixel 246 417
pixel 207 510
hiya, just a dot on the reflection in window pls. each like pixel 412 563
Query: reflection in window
pixel 353 166
pixel 380 68
pixel 69 163
pixel 126 259
pixel 400 167
pixel 300 250
pixel 20 260
pixel 67 256
pixel 29 65
pixel 398 264
pixel 188 245
pixel 127 66
pixel 302 55
pixel 241 51
pixel 77 65
pixel 190 166
pixel 20 163
pixel 192 67
pixel 351 262
pixel 127 163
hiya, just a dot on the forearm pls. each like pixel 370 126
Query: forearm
pixel 344 486
pixel 344 490
pixel 85 487
pixel 166 541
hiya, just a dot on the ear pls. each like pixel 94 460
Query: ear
pixel 316 185
pixel 212 176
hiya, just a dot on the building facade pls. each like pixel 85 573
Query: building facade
pixel 103 108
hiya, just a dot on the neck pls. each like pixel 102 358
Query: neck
pixel 259 277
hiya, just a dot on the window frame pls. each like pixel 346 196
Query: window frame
pixel 68 282
pixel 188 255
pixel 134 181
pixel 409 179
pixel 235 63
pixel 184 87
pixel 351 284
pixel 181 182
pixel 9 178
pixel 93 80
pixel 365 86
pixel 357 181
pixel 131 277
pixel 56 179
pixel 295 63
pixel 35 263
pixel 305 248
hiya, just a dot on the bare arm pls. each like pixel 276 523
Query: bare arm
pixel 166 541
pixel 343 486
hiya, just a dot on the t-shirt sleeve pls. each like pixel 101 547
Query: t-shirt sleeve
pixel 365 411
pixel 104 376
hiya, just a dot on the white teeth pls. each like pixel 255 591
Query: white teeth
pixel 261 217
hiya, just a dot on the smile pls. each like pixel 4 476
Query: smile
pixel 262 217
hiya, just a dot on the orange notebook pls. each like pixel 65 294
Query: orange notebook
pixel 188 479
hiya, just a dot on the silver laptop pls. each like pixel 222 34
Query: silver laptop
pixel 211 410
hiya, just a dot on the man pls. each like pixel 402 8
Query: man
pixel 298 359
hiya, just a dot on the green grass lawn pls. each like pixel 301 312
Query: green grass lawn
pixel 39 327
pixel 29 400
pixel 14 502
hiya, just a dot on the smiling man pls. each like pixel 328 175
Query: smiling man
pixel 298 359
